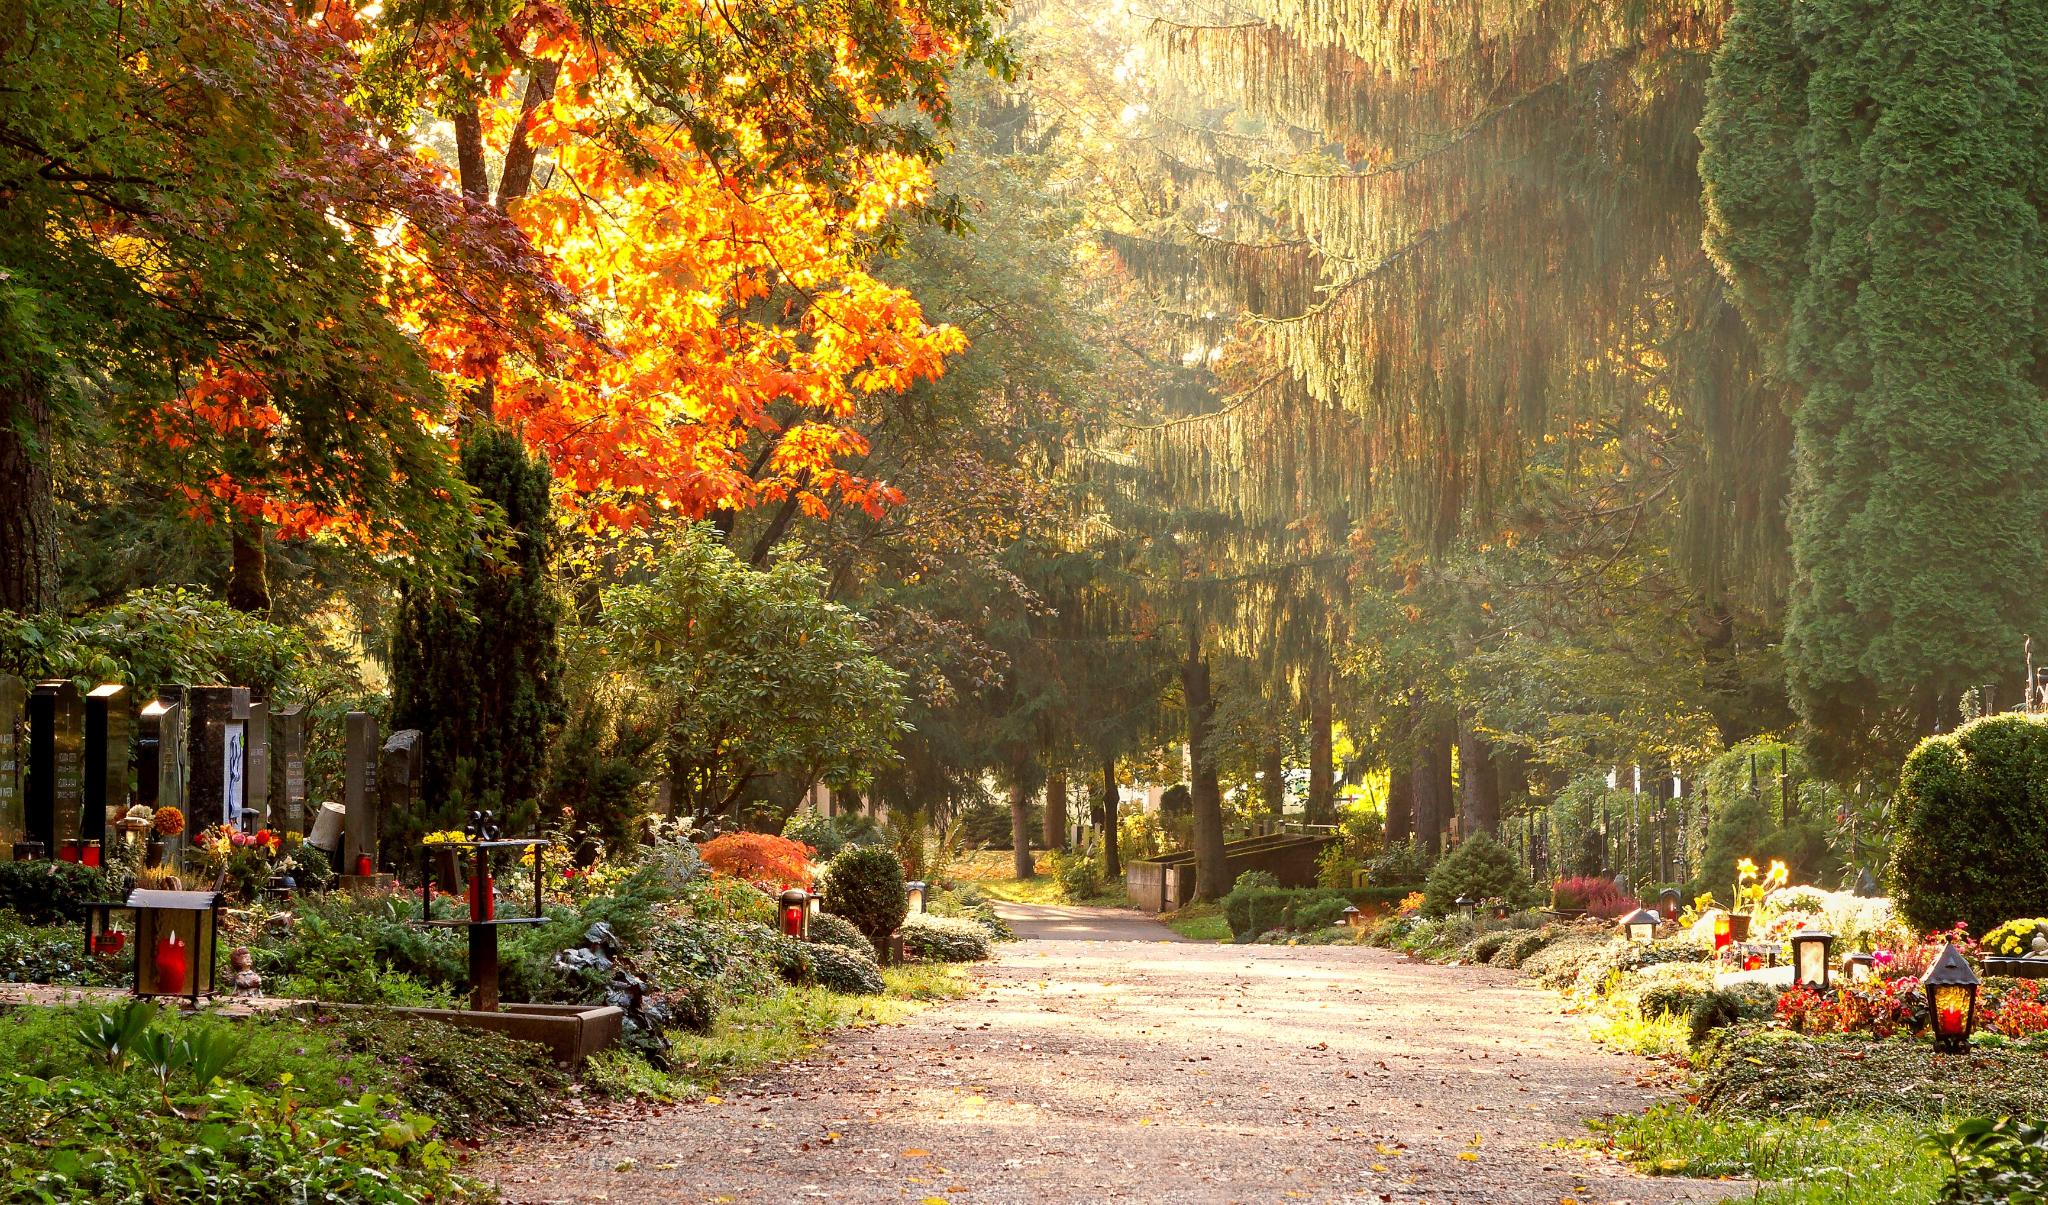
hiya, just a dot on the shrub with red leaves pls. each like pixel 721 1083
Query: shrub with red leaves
pixel 760 858
pixel 1593 895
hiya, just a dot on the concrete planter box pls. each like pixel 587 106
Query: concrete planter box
pixel 571 1032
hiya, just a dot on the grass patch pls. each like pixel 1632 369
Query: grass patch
pixel 1622 1026
pixel 1202 922
pixel 1856 1159
pixel 771 1027
pixel 1044 889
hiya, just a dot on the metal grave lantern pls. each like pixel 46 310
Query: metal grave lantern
pixel 1859 967
pixel 1640 926
pixel 106 935
pixel 175 938
pixel 794 905
pixel 913 895
pixel 815 900
pixel 1354 918
pixel 1466 906
pixel 1668 903
pixel 1950 986
pixel 1810 951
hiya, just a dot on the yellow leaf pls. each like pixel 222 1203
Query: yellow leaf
pixel 1379 1167
pixel 1468 1156
pixel 714 1100
pixel 916 1152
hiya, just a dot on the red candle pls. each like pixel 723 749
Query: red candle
pixel 67 852
pixel 793 921
pixel 1951 1020
pixel 92 855
pixel 112 941
pixel 1723 932
pixel 483 904
pixel 363 867
pixel 170 966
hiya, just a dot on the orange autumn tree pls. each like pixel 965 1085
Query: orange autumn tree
pixel 759 858
pixel 710 182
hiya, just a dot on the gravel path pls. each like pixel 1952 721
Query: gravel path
pixel 1089 1070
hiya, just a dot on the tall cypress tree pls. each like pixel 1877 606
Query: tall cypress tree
pixel 476 667
pixel 1874 188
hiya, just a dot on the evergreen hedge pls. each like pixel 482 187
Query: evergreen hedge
pixel 1972 846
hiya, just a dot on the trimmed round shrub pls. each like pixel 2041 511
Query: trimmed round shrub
pixel 1971 846
pixel 829 930
pixel 944 939
pixel 1480 868
pixel 1320 912
pixel 866 887
pixel 843 970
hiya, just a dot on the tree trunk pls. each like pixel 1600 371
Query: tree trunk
pixel 1478 785
pixel 1322 779
pixel 28 517
pixel 1112 861
pixel 1273 782
pixel 1211 867
pixel 1432 778
pixel 1056 810
pixel 1020 822
pixel 1400 801
pixel 248 588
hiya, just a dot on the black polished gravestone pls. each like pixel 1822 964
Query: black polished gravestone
pixel 256 783
pixel 217 738
pixel 106 758
pixel 288 769
pixel 13 722
pixel 56 765
pixel 359 793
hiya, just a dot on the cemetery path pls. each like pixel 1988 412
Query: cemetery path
pixel 1090 1071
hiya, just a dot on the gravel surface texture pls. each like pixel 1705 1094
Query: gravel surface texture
pixel 1093 1067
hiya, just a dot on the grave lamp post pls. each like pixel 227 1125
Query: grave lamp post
pixel 1353 918
pixel 1859 967
pixel 816 900
pixel 1950 987
pixel 1810 949
pixel 794 903
pixel 1668 903
pixel 913 895
pixel 1466 906
pixel 1640 926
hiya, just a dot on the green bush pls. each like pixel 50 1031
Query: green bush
pixel 1490 943
pixel 830 930
pixel 1251 909
pixel 1251 879
pixel 1970 846
pixel 866 887
pixel 944 939
pixel 967 901
pixel 1524 944
pixel 49 892
pixel 471 1080
pixel 816 831
pixel 1480 868
pixel 1403 865
pixel 1723 1007
pixel 1077 872
pixel 1994 1161
pixel 54 955
pixel 843 970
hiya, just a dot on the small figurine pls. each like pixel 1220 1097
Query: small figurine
pixel 247 983
pixel 2038 948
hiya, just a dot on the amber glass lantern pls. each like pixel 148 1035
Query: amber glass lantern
pixel 1950 987
pixel 174 942
pixel 1810 951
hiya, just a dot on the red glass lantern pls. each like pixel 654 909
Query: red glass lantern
pixel 68 852
pixel 1724 930
pixel 91 854
pixel 483 899
pixel 364 869
pixel 796 912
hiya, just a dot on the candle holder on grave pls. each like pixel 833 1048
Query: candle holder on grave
pixel 105 936
pixel 175 939
pixel 479 847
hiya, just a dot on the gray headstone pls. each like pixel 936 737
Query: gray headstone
pixel 106 758
pixel 257 797
pixel 398 774
pixel 288 769
pixel 359 788
pixel 13 723
pixel 217 740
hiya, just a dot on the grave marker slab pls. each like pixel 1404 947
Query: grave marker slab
pixel 13 723
pixel 106 758
pixel 257 798
pixel 56 764
pixel 359 788
pixel 216 736
pixel 288 769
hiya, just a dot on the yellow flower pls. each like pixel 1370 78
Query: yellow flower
pixel 1746 868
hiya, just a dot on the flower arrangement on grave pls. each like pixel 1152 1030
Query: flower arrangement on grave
pixel 1752 885
pixel 450 836
pixel 2015 938
pixel 244 863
